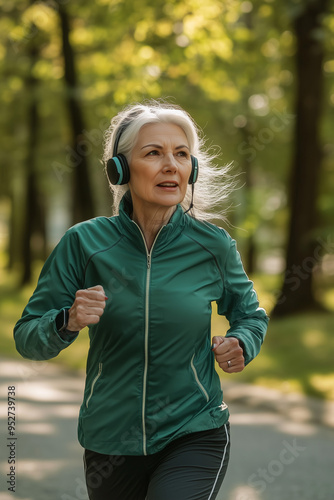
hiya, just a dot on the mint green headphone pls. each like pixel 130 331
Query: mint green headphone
pixel 118 169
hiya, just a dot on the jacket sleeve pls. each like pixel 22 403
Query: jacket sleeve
pixel 35 334
pixel 240 305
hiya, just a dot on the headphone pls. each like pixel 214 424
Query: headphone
pixel 118 168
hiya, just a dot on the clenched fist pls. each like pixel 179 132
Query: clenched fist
pixel 87 308
pixel 228 353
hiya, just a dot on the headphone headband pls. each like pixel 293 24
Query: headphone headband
pixel 119 133
pixel 117 167
pixel 122 127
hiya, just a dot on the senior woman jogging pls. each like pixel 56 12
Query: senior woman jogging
pixel 153 422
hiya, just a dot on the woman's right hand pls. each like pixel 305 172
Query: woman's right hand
pixel 87 308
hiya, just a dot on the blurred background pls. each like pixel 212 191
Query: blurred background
pixel 258 78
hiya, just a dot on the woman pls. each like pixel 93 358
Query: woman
pixel 153 422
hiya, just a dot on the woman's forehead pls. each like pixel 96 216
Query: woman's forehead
pixel 163 132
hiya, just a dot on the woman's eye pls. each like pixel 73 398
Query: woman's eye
pixel 153 152
pixel 183 153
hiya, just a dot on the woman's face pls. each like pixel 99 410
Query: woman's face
pixel 160 166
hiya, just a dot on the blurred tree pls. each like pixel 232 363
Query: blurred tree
pixel 228 63
pixel 301 257
pixel 82 195
pixel 34 212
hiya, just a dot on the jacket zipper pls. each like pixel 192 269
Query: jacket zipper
pixel 93 384
pixel 197 379
pixel 148 276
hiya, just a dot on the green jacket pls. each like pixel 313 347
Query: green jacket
pixel 150 369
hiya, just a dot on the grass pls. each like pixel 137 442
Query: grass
pixel 297 354
pixel 12 302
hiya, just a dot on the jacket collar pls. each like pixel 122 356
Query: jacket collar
pixel 169 232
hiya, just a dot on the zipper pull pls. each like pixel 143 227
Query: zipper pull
pixel 148 261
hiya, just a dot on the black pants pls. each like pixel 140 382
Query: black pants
pixel 190 468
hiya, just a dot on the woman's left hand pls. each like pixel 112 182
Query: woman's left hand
pixel 229 354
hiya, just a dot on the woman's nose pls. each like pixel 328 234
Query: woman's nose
pixel 169 162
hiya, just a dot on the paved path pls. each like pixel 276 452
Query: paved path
pixel 282 446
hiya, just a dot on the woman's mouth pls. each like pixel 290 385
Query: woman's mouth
pixel 168 185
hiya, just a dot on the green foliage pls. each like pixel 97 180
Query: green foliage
pixel 230 64
pixel 12 303
pixel 297 353
pixel 296 356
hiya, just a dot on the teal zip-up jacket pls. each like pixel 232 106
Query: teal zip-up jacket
pixel 150 374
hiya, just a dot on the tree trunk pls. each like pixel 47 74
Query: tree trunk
pixel 33 213
pixel 12 241
pixel 302 251
pixel 82 196
pixel 250 254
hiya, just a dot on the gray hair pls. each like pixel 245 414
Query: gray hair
pixel 214 183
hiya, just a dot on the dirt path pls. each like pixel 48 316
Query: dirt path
pixel 276 454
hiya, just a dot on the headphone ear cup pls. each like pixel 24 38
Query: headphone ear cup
pixel 194 170
pixel 118 170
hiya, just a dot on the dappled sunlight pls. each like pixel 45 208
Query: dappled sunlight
pixel 47 392
pixel 282 423
pixel 38 470
pixel 314 338
pixel 324 383
pixel 67 411
pixel 24 369
pixel 49 447
pixel 295 357
pixel 31 369
pixel 33 412
pixel 252 392
pixel 38 411
pixel 258 420
pixel 295 406
pixel 244 493
pixel 41 428
pixel 40 391
pixel 297 428
pixel 8 496
pixel 49 457
pixel 286 386
pixel 301 412
pixel 328 299
pixel 328 414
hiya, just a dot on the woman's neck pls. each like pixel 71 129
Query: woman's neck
pixel 151 221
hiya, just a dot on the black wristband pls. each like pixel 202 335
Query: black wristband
pixel 61 325
pixel 242 345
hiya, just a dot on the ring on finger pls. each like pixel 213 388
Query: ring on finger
pixel 229 364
